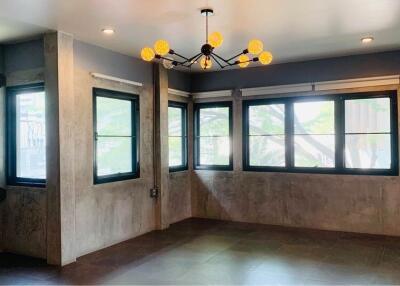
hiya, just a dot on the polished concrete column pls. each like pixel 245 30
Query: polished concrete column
pixel 161 145
pixel 60 148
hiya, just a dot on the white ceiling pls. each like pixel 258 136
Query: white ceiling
pixel 290 29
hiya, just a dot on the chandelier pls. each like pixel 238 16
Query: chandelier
pixel 170 59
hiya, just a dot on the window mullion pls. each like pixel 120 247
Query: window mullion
pixel 339 134
pixel 394 134
pixel 289 138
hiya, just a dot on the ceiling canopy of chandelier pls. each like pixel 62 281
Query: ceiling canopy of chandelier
pixel 253 53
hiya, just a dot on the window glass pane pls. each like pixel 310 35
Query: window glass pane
pixel 267 151
pixel 267 119
pixel 314 117
pixel 367 115
pixel 175 121
pixel 175 151
pixel 214 150
pixel 314 150
pixel 31 135
pixel 214 121
pixel 114 155
pixel 113 116
pixel 368 151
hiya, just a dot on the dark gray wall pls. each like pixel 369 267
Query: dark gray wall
pixel 100 60
pixel 179 80
pixel 2 78
pixel 1 59
pixel 23 56
pixel 368 65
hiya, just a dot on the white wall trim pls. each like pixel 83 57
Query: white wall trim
pixel 178 92
pixel 277 89
pixel 210 94
pixel 323 86
pixel 112 78
pixel 357 83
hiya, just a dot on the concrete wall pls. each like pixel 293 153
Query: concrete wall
pixel 103 214
pixel 366 204
pixel 109 213
pixel 351 203
pixel 24 210
pixel 112 212
pixel 180 185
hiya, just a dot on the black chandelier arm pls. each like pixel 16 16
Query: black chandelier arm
pixel 229 61
pixel 242 53
pixel 194 59
pixel 188 62
pixel 172 52
pixel 248 61
pixel 217 61
pixel 174 62
pixel 221 58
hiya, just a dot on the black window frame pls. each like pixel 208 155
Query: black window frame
pixel 135 125
pixel 11 136
pixel 184 107
pixel 196 137
pixel 339 120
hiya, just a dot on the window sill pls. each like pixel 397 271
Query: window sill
pixel 328 171
pixel 178 169
pixel 27 184
pixel 213 168
pixel 115 178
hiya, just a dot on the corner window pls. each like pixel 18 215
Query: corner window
pixel 177 136
pixel 26 135
pixel 116 142
pixel 342 134
pixel 213 136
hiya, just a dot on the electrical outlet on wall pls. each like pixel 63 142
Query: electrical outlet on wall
pixel 154 193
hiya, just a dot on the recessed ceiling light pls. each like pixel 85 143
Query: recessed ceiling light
pixel 367 40
pixel 108 31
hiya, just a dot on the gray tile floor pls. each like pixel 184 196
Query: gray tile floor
pixel 208 252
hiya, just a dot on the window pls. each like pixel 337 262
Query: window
pixel 116 136
pixel 350 133
pixel 213 136
pixel 367 133
pixel 314 134
pixel 267 135
pixel 26 135
pixel 177 136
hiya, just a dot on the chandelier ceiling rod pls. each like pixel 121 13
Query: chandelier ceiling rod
pixel 207 54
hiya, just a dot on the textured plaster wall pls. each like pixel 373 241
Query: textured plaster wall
pixel 112 212
pixel 179 184
pixel 366 204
